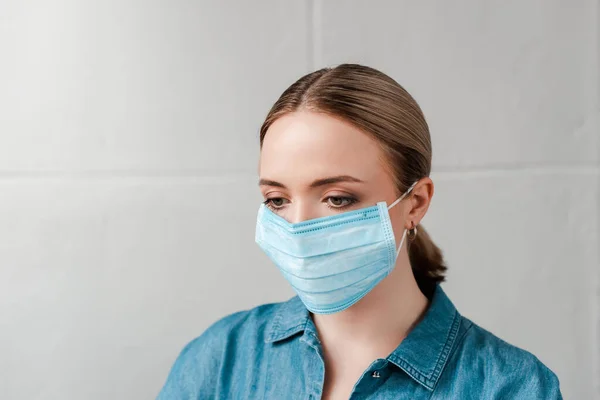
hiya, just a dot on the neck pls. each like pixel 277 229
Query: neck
pixel 380 320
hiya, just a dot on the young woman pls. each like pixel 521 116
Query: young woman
pixel 344 170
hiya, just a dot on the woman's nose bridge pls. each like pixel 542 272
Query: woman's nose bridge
pixel 302 211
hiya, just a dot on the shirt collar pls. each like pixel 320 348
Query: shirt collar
pixel 290 319
pixel 425 351
pixel 422 354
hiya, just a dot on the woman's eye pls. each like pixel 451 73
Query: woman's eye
pixel 340 202
pixel 276 202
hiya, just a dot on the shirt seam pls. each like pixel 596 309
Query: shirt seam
pixel 445 353
pixel 458 342
pixel 274 327
pixel 265 384
pixel 286 334
pixel 429 381
pixel 462 337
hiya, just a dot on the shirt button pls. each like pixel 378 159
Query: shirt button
pixel 376 374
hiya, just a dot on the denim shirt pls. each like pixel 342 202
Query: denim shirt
pixel 273 352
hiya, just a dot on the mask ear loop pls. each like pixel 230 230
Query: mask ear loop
pixel 396 202
pixel 401 243
pixel 403 196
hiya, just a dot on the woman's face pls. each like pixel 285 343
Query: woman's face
pixel 314 165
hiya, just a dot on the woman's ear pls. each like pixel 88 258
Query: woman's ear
pixel 419 200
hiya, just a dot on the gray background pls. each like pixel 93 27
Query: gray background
pixel 128 158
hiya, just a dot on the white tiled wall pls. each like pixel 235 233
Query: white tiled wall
pixel 128 155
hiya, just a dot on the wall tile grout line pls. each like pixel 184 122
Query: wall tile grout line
pixel 316 34
pixel 208 177
pixel 310 45
pixel 596 304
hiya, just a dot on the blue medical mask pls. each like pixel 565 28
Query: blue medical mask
pixel 332 262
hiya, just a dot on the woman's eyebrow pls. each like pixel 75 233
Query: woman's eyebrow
pixel 314 184
pixel 268 182
pixel 334 179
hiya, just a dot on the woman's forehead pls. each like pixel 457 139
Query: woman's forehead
pixel 318 144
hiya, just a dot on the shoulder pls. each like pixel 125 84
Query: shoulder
pixel 193 373
pixel 500 367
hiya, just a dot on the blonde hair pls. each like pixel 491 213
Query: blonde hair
pixel 379 106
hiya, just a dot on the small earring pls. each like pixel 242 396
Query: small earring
pixel 412 232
